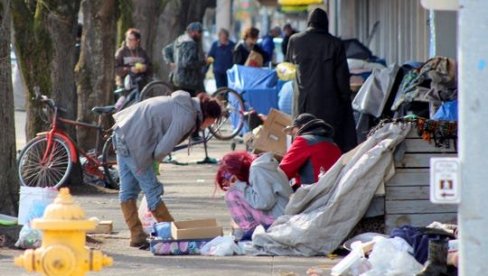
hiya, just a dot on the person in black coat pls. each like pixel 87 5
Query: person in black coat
pixel 323 78
pixel 243 48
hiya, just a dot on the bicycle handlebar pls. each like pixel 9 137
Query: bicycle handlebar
pixel 45 99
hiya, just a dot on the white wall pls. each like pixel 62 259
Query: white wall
pixel 402 30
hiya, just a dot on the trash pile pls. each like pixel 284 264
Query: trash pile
pixel 427 90
pixel 409 250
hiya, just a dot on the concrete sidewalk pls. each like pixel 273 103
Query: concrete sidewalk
pixel 190 194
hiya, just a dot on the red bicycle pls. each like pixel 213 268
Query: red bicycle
pixel 47 160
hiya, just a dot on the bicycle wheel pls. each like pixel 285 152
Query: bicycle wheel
pixel 156 88
pixel 232 120
pixel 36 172
pixel 109 163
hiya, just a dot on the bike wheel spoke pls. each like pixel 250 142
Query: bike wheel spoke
pixel 37 171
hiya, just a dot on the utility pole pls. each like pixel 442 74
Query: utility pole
pixel 223 15
pixel 473 133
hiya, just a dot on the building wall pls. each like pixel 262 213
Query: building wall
pixel 401 33
pixel 445 34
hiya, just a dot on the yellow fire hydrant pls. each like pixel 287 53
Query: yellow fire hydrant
pixel 63 251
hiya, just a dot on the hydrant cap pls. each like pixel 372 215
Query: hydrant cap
pixel 64 208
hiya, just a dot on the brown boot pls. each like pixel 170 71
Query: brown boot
pixel 138 238
pixel 161 213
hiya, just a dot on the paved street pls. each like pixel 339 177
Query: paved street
pixel 189 194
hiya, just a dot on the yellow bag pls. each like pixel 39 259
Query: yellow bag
pixel 299 2
pixel 286 71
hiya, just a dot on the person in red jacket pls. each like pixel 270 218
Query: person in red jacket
pixel 312 152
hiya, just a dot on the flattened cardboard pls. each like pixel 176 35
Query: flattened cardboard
pixel 271 138
pixel 195 229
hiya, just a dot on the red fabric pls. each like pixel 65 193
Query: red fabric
pixel 323 154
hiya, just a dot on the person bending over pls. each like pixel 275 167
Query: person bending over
pixel 146 132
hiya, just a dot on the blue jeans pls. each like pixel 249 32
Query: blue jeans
pixel 133 179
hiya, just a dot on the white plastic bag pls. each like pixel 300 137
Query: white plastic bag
pixel 29 238
pixel 221 246
pixel 146 216
pixel 33 201
pixel 391 257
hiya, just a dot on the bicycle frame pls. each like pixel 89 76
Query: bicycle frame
pixel 93 162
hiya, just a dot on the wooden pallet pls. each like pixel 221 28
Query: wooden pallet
pixel 407 192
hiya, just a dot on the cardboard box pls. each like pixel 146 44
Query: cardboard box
pixel 195 229
pixel 271 138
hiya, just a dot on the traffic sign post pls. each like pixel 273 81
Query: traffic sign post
pixel 444 180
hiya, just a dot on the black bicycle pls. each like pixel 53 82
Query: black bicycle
pixel 132 93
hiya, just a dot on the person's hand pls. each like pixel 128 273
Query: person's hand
pixel 134 70
pixel 210 60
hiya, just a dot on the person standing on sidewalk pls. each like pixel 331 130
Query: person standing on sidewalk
pixel 221 53
pixel 187 61
pixel 131 57
pixel 288 31
pixel 246 45
pixel 146 132
pixel 323 78
pixel 267 44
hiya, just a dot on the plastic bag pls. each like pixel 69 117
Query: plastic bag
pixel 221 246
pixel 391 257
pixel 286 71
pixel 29 238
pixel 373 94
pixel 447 112
pixel 146 216
pixel 33 201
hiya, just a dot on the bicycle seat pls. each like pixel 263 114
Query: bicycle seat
pixel 103 109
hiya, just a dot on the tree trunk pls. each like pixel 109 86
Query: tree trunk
pixel 45 35
pixel 62 26
pixel 9 185
pixel 33 46
pixel 95 68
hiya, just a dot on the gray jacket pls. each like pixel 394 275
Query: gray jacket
pixel 269 189
pixel 190 62
pixel 152 128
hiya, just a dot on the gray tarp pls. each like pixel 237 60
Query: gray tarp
pixel 320 216
pixel 374 92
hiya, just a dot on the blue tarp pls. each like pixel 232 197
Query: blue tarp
pixel 258 87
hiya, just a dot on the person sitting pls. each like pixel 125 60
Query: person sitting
pixel 256 190
pixel 312 152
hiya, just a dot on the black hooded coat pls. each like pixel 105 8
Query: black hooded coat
pixel 323 78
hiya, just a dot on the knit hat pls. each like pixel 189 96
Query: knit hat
pixel 317 126
pixel 299 121
pixel 194 26
pixel 318 19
